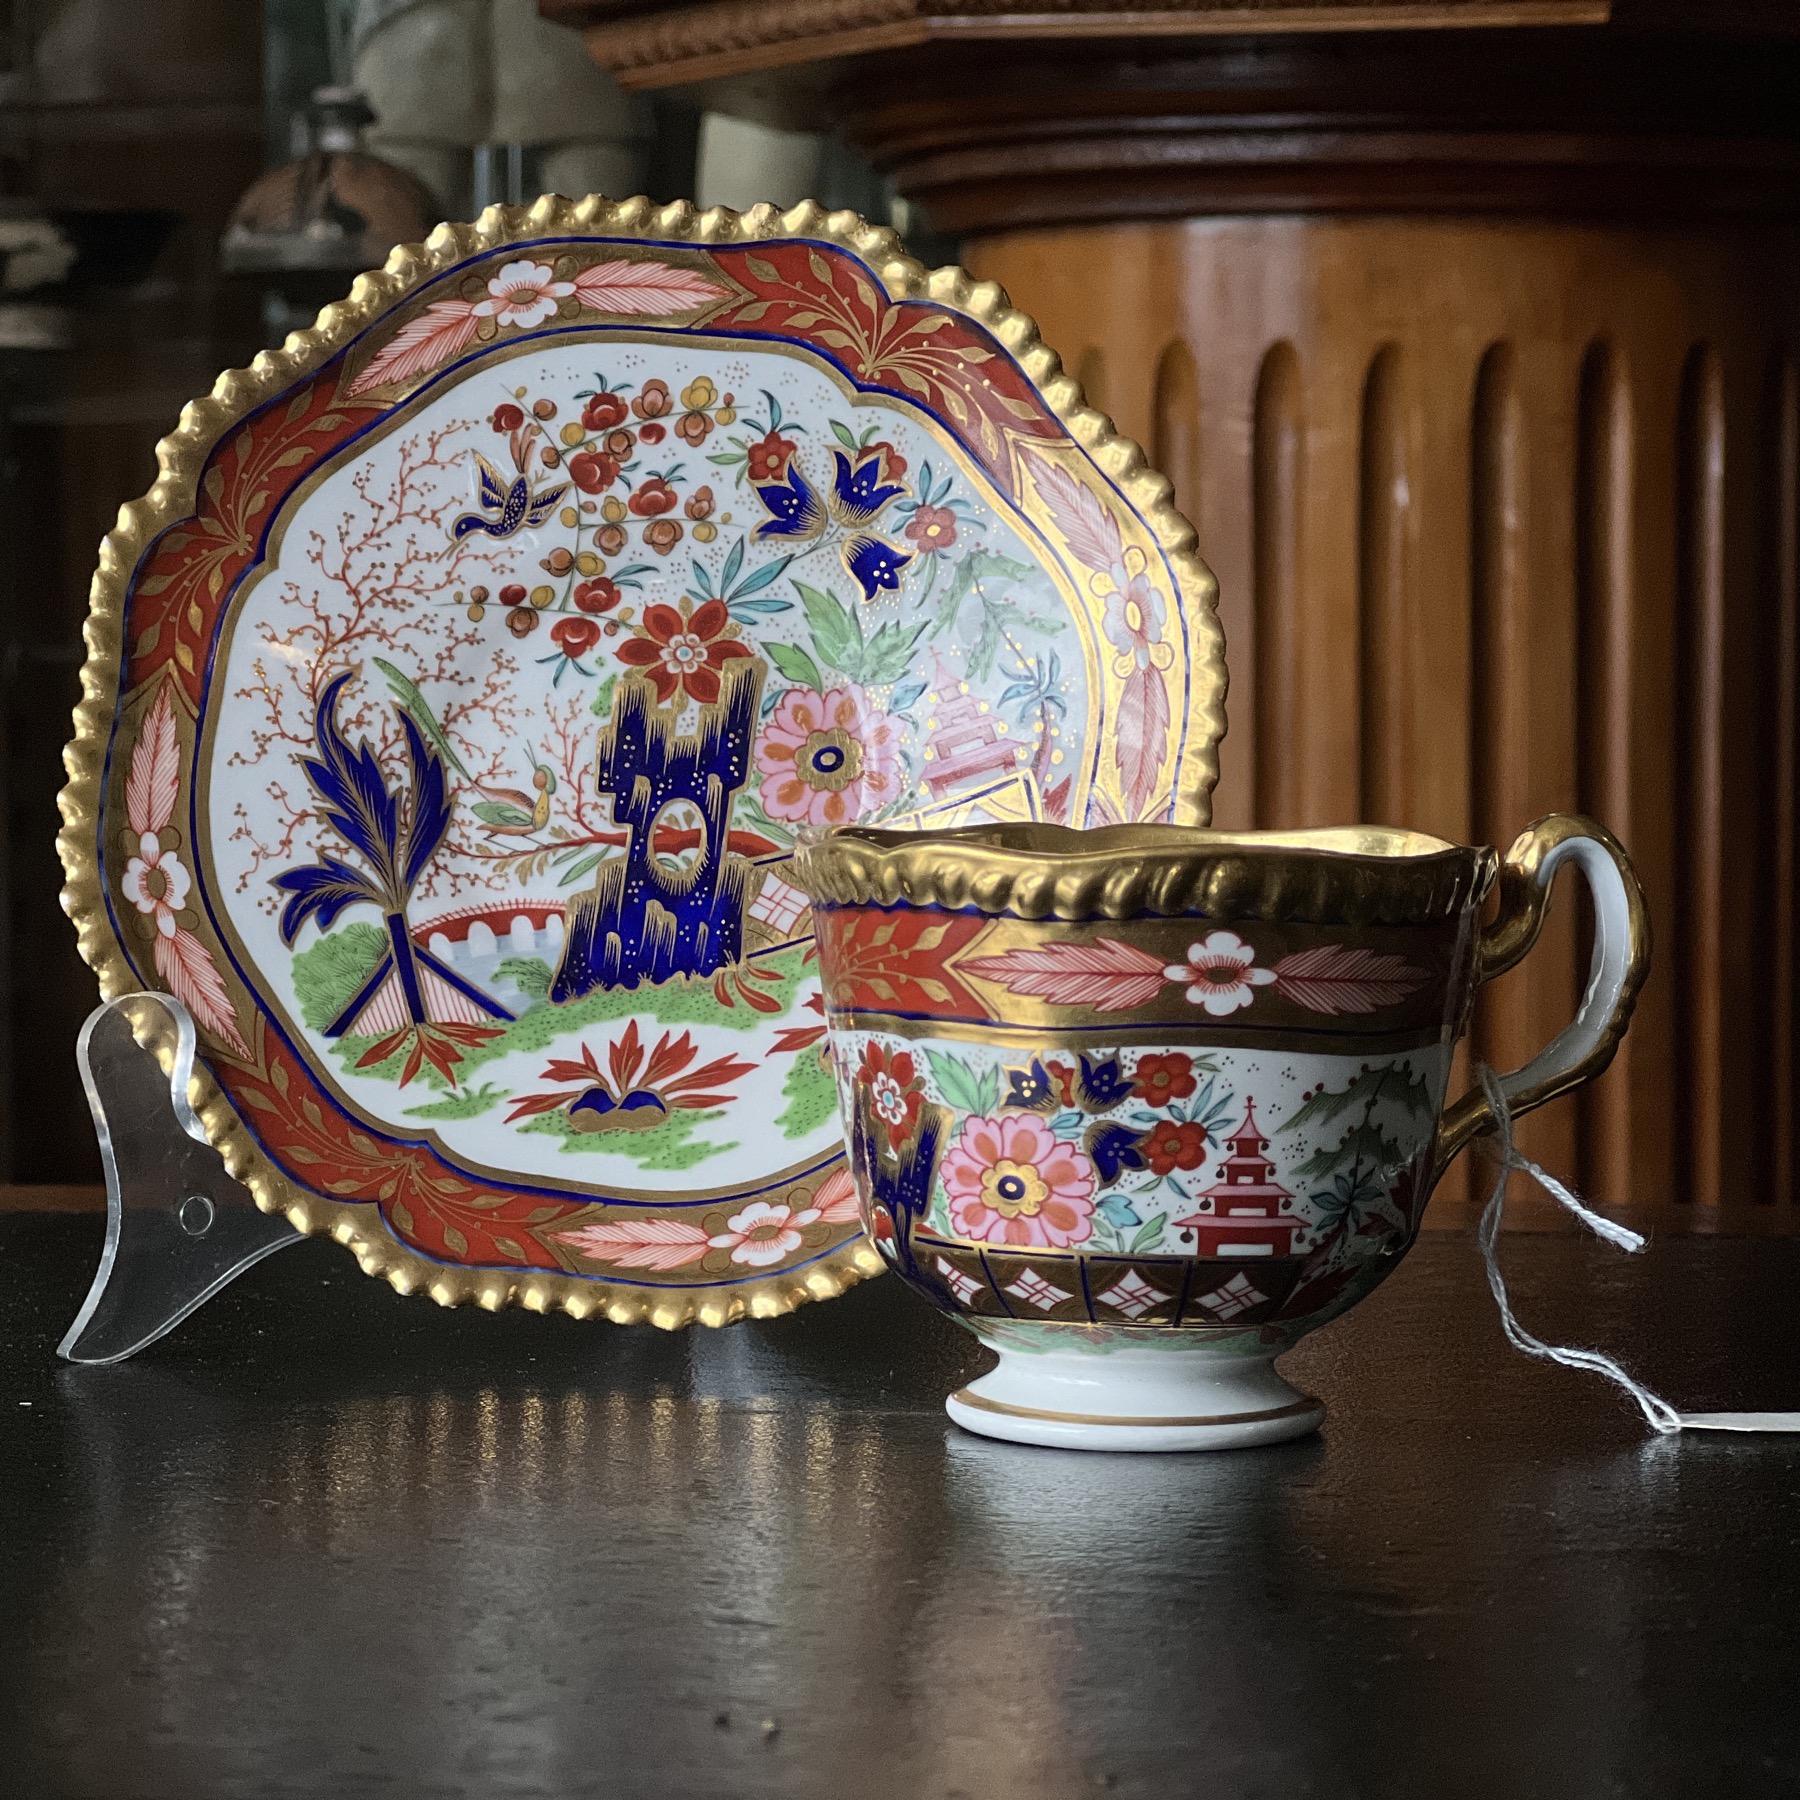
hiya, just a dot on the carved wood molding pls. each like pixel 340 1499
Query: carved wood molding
pixel 657 43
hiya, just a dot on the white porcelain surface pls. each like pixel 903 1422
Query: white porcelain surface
pixel 1173 1396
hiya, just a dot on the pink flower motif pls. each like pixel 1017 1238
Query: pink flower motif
pixel 1221 973
pixel 763 1233
pixel 523 294
pixel 155 883
pixel 827 758
pixel 1010 1181
pixel 1134 617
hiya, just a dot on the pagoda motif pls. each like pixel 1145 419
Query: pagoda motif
pixel 966 743
pixel 1243 1214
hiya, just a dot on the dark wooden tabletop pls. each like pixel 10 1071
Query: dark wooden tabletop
pixel 325 1541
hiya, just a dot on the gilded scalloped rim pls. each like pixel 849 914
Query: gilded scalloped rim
pixel 181 458
pixel 1350 875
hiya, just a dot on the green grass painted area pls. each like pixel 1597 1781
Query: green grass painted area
pixel 670 1145
pixel 811 1096
pixel 329 975
pixel 529 974
pixel 465 1103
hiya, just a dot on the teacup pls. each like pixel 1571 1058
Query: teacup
pixel 1142 1106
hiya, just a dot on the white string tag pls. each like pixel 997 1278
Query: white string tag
pixel 1661 1415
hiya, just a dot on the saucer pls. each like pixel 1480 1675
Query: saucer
pixel 462 688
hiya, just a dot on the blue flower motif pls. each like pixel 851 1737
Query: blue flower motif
pixel 874 563
pixel 861 490
pixel 1104 1085
pixel 1030 1088
pixel 1114 1148
pixel 793 507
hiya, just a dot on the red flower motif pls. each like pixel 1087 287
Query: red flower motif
pixel 653 400
pixel 653 497
pixel 932 528
pixel 513 594
pixel 507 417
pixel 575 636
pixel 895 1091
pixel 1170 1146
pixel 652 434
pixel 769 457
pixel 682 652
pixel 598 595
pixel 1160 1079
pixel 603 412
pixel 1062 1080
pixel 592 472
pixel 893 464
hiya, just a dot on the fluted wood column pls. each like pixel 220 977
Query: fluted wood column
pixel 1503 516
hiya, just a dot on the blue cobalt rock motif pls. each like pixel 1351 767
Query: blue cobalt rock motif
pixel 643 920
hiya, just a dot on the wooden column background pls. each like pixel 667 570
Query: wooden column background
pixel 1503 516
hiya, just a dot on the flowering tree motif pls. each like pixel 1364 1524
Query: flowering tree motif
pixel 375 588
pixel 393 844
pixel 156 881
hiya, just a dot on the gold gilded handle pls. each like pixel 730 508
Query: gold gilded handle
pixel 1583 1048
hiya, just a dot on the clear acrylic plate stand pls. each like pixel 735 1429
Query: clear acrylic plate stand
pixel 178 1228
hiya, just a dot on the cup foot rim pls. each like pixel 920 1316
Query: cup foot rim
pixel 988 1417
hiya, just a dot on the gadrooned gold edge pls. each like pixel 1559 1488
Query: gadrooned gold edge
pixel 181 458
pixel 1141 873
